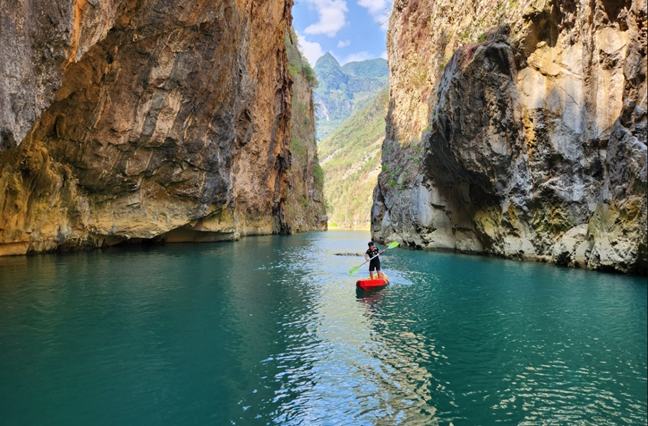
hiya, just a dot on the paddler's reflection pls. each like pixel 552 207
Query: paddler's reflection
pixel 371 297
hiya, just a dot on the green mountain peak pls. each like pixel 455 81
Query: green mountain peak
pixel 344 90
pixel 327 60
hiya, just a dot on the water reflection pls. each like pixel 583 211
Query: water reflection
pixel 397 357
pixel 369 298
pixel 356 363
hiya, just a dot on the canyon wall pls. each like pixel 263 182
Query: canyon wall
pixel 305 209
pixel 517 129
pixel 152 120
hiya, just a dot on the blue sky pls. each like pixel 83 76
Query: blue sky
pixel 352 30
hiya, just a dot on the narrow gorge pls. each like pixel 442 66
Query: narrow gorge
pixel 517 129
pixel 156 120
pixel 164 166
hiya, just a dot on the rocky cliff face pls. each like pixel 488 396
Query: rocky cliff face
pixel 129 120
pixel 518 129
pixel 305 199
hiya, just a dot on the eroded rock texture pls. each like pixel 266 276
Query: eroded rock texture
pixel 155 119
pixel 527 140
pixel 305 209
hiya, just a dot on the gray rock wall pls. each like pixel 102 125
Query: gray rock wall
pixel 534 144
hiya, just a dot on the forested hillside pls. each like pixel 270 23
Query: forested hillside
pixel 343 90
pixel 350 157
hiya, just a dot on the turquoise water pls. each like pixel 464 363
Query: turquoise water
pixel 270 330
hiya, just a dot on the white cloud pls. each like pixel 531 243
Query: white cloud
pixel 311 50
pixel 375 7
pixel 356 57
pixel 332 16
pixel 379 10
pixel 384 55
pixel 343 43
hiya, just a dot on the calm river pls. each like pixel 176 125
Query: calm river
pixel 270 331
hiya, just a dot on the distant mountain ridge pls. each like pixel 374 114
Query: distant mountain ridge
pixel 343 90
pixel 370 68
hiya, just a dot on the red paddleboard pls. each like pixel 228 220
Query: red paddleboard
pixel 369 284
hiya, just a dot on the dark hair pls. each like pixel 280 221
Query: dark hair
pixel 370 243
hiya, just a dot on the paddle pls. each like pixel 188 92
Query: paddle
pixel 390 246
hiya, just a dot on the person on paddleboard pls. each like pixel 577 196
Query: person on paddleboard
pixel 374 264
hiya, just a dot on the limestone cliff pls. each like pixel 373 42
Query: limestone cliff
pixel 305 199
pixel 152 119
pixel 518 129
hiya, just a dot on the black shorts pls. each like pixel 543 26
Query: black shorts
pixel 374 264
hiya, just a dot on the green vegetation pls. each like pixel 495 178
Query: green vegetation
pixel 297 64
pixel 343 90
pixel 464 36
pixel 351 162
pixel 318 174
pixel 309 73
pixel 326 127
pixel 304 204
pixel 369 68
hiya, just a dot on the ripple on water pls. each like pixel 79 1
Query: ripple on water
pixel 271 330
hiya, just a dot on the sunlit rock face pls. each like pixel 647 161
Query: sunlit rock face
pixel 131 120
pixel 518 129
pixel 305 210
